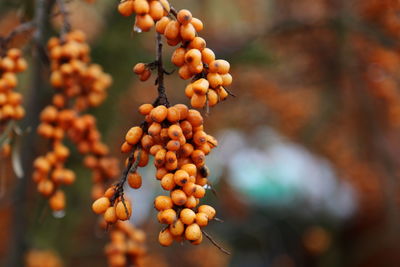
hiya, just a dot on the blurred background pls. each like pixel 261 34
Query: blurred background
pixel 306 173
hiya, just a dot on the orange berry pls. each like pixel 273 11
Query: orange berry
pixel 160 173
pixel 193 232
pixel 57 201
pixel 220 66
pixel 162 24
pixel 110 215
pixel 197 24
pixel 45 187
pixel 144 22
pixel 184 16
pixel 172 30
pixel 139 68
pixel 154 149
pixel 174 132
pixel 126 8
pixel 159 113
pixel 165 238
pixel 178 56
pixel 177 228
pixel 101 205
pixel 178 197
pixel 123 210
pixel 126 147
pixel 184 72
pixel 207 56
pixel 166 6
pixel 156 10
pixel 183 111
pixel 134 135
pixel 163 203
pixel 197 43
pixel 187 216
pixel 181 177
pixel 226 79
pixel 145 109
pixel 167 182
pixel 173 114
pixel 200 86
pixel 167 216
pixel 141 7
pixel 210 211
pixel 189 90
pixel 198 157
pixel 201 219
pixel 173 145
pixel 159 158
pixel 191 202
pixel 135 180
pixel 198 101
pixel 154 129
pixel 193 57
pixel 188 33
pixel 195 118
pixel 212 97
pixel 145 75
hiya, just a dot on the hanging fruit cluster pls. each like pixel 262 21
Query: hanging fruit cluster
pixel 79 85
pixel 126 245
pixel 10 101
pixel 173 135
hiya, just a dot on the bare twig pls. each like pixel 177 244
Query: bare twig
pixel 24 27
pixel 215 243
pixel 162 96
pixel 66 25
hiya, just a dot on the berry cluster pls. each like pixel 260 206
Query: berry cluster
pixel 147 12
pixel 79 85
pixel 10 101
pixel 126 245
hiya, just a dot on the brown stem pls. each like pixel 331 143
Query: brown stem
pixel 24 27
pixel 215 243
pixel 66 25
pixel 162 96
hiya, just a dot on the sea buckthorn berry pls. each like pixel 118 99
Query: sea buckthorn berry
pixel 226 79
pixel 197 24
pixel 186 150
pixel 184 16
pixel 173 114
pixel 210 211
pixel 191 202
pixel 197 43
pixel 189 188
pixel 159 158
pixel 156 10
pixel 207 56
pixel 201 219
pixel 159 113
pixel 144 22
pixel 110 215
pixel 147 142
pixel 212 98
pixel 177 228
pixel 133 135
pixel 183 111
pixel 220 66
pixel 154 149
pixel 178 56
pixel 184 72
pixel 145 75
pixel 165 238
pixel 194 117
pixel 154 129
pixel 57 201
pixel 123 210
pixel 126 8
pixel 187 216
pixel 101 205
pixel 162 24
pixel 141 7
pixel 181 177
pixel 173 145
pixel 134 180
pixel 200 86
pixel 45 187
pixel 198 101
pixel 167 182
pixel 214 79
pixel 193 57
pixel 199 192
pixel 172 30
pixel 139 68
pixel 188 33
pixel 193 232
pixel 178 197
pixel 189 90
pixel 166 6
pixel 163 203
pixel 145 109
pixel 200 138
pixel 174 132
pixel 167 216
pixel 110 192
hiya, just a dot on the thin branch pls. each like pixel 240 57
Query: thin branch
pixel 162 96
pixel 66 25
pixel 24 27
pixel 215 243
